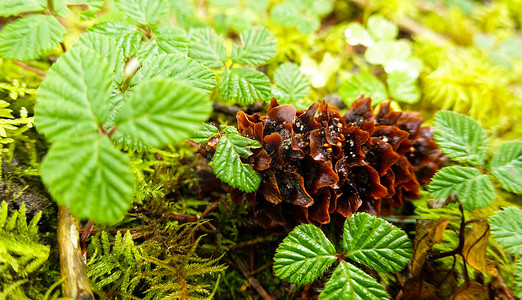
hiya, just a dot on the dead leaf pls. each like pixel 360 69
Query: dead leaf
pixel 471 291
pixel 428 232
pixel 415 289
pixel 475 247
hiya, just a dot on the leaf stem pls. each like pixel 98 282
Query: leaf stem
pixel 29 68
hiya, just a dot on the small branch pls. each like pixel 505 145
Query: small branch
pixel 21 64
pixel 76 284
pixel 260 290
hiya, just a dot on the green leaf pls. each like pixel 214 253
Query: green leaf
pixel 127 37
pixel 291 83
pixel 227 163
pixel 511 47
pixel 162 111
pixel 172 39
pixel 258 47
pixel 179 67
pixel 363 83
pixel 518 278
pixel 356 34
pixel 105 47
pixel 16 7
pixel 303 255
pixel 350 282
pixel 144 12
pixel 148 51
pixel 285 14
pixel 73 99
pixel 224 3
pixel 206 48
pixel 506 227
pixel 383 52
pixel 244 85
pixel 473 188
pixel 506 166
pixel 402 87
pixel 202 135
pixel 27 38
pixel 382 29
pixel 90 176
pixel 376 243
pixel 460 137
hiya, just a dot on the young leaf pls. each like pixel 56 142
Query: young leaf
pixel 363 83
pixel 292 85
pixel 473 188
pixel 460 137
pixel 68 104
pixel 402 87
pixel 259 47
pixel 90 176
pixel 126 36
pixel 148 51
pixel 303 255
pixel 105 47
pixel 506 227
pixel 179 67
pixel 376 243
pixel 162 111
pixel 206 132
pixel 356 34
pixel 172 39
pixel 244 85
pixel 227 163
pixel 350 282
pixel 382 29
pixel 206 48
pixel 144 12
pixel 506 166
pixel 16 7
pixel 27 38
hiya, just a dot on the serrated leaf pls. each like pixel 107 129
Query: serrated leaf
pixel 179 67
pixel 460 137
pixel 303 255
pixel 148 51
pixel 363 83
pixel 402 87
pixel 162 111
pixel 506 166
pixel 258 47
pixel 144 12
pixel 506 227
pixel 350 282
pixel 383 52
pixel 94 6
pixel 473 188
pixel 106 48
pixel 227 163
pixel 376 243
pixel 206 48
pixel 172 39
pixel 90 176
pixel 126 36
pixel 382 29
pixel 291 83
pixel 244 85
pixel 16 7
pixel 202 135
pixel 285 14
pixel 68 104
pixel 518 278
pixel 27 38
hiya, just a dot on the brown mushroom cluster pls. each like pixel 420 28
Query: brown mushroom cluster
pixel 317 165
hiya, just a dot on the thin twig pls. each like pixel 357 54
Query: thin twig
pixel 29 68
pixel 260 290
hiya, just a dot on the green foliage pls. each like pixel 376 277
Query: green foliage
pixel 363 84
pixel 258 47
pixel 28 37
pixel 144 12
pixel 16 7
pixel 506 166
pixel 227 163
pixel 506 227
pixel 518 280
pixel 292 84
pixel 244 85
pixel 306 253
pixel 21 253
pixel 206 48
pixel 302 14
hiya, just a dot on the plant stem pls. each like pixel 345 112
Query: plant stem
pixel 76 284
pixel 21 64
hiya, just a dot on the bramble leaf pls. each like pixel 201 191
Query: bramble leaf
pixel 127 37
pixel 303 255
pixel 292 85
pixel 356 34
pixel 179 67
pixel 16 7
pixel 68 104
pixel 363 83
pixel 382 29
pixel 244 85
pixel 350 282
pixel 518 278
pixel 383 52
pixel 171 39
pixel 206 132
pixel 206 48
pixel 106 48
pixel 506 227
pixel 144 12
pixel 90 176
pixel 162 111
pixel 506 166
pixel 227 163
pixel 27 38
pixel 403 87
pixel 460 137
pixel 473 188
pixel 258 47
pixel 376 243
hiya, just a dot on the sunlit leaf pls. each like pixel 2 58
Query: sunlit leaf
pixel 383 52
pixel 244 85
pixel 518 278
pixel 258 47
pixel 356 34
pixel 16 7
pixel 475 246
pixel 506 166
pixel 292 85
pixel 203 134
pixel 382 29
pixel 506 227
pixel 206 48
pixel 171 39
pixel 363 83
pixel 145 12
pixel 402 87
pixel 304 255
